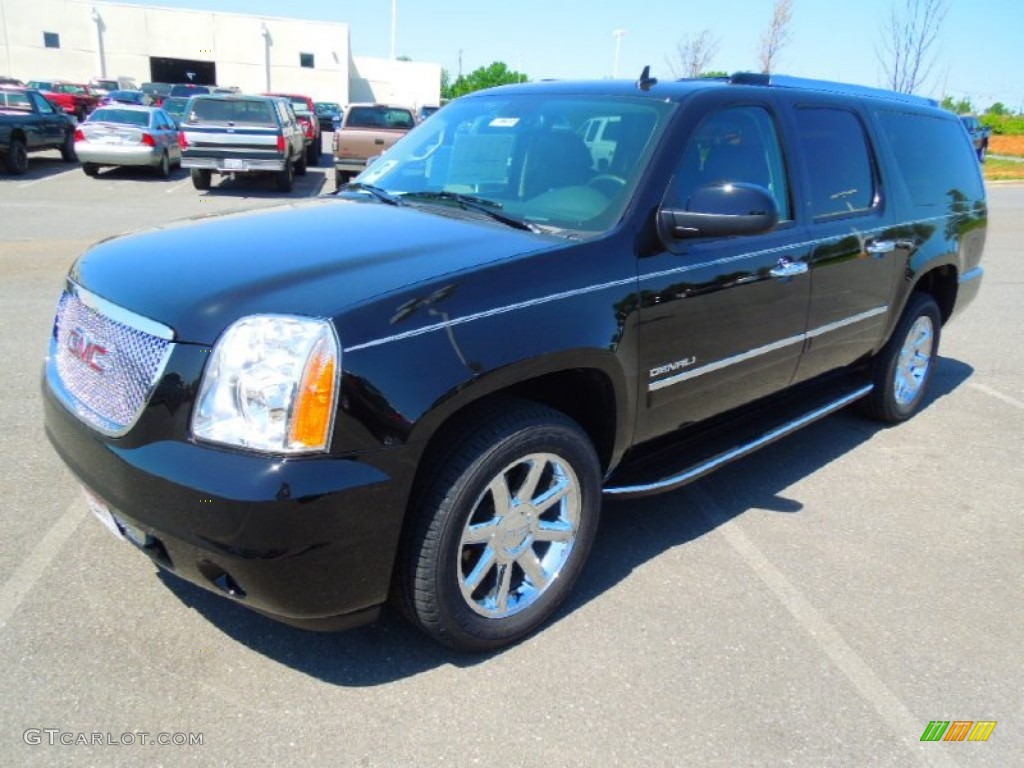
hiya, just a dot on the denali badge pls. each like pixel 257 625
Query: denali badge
pixel 670 367
pixel 88 350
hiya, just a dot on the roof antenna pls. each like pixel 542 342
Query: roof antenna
pixel 646 81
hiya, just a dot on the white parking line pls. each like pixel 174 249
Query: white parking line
pixel 996 394
pixel 26 184
pixel 175 187
pixel 890 709
pixel 32 569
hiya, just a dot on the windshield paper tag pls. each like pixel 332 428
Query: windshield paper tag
pixel 504 122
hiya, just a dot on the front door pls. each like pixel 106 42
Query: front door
pixel 723 319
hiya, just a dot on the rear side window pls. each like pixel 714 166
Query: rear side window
pixel 839 163
pixel 933 156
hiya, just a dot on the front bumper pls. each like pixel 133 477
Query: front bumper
pixel 309 541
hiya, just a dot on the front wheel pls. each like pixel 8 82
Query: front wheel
pixel 905 365
pixel 504 529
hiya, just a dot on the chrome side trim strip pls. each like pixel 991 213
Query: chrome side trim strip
pixel 491 313
pixel 742 450
pixel 973 274
pixel 119 314
pixel 725 362
pixel 767 348
pixel 846 321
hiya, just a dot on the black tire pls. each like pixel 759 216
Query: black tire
pixel 312 153
pixel 982 152
pixel 67 149
pixel 341 179
pixel 481 589
pixel 904 367
pixel 285 180
pixel 201 179
pixel 300 165
pixel 164 169
pixel 17 157
pixel 91 169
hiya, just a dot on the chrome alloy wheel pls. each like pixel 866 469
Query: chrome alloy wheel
pixel 519 535
pixel 914 361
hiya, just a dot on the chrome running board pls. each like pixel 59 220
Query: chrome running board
pixel 702 468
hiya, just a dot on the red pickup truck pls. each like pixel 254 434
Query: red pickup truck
pixel 74 98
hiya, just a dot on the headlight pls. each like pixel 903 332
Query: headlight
pixel 270 385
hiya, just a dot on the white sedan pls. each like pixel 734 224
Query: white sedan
pixel 120 134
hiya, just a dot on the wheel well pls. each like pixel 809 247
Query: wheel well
pixel 941 284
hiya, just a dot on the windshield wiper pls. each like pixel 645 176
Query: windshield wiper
pixel 378 193
pixel 489 208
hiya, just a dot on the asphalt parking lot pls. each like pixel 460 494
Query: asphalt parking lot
pixel 817 604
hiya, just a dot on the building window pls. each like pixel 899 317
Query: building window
pixel 51 39
pixel 306 60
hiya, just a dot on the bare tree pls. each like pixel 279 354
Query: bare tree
pixel 907 41
pixel 778 36
pixel 693 55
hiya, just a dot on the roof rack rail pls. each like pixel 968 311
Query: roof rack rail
pixel 787 81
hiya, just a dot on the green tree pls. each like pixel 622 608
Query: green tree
pixel 494 74
pixel 997 109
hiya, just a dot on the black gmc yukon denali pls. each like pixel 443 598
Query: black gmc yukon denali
pixel 418 390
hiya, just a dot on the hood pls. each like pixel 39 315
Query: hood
pixel 314 258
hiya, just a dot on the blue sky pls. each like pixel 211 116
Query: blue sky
pixel 979 54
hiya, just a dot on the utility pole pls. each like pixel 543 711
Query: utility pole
pixel 617 34
pixel 394 29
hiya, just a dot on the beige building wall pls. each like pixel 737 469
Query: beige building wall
pixel 111 39
pixel 386 81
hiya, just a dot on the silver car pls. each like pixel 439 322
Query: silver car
pixel 121 134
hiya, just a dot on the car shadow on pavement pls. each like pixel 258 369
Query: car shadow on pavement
pixel 632 533
pixel 39 168
pixel 139 173
pixel 263 185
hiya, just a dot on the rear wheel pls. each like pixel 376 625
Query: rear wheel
pixel 91 169
pixel 300 165
pixel 905 365
pixel 164 169
pixel 285 179
pixel 313 153
pixel 201 179
pixel 504 528
pixel 17 157
pixel 67 149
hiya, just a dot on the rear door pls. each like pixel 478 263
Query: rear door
pixel 856 247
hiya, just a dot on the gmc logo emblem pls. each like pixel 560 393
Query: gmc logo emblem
pixel 87 349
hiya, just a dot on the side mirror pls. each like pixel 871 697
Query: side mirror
pixel 721 210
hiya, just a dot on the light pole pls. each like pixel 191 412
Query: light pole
pixel 98 21
pixel 394 29
pixel 617 34
pixel 266 50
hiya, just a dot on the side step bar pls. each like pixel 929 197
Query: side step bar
pixel 701 468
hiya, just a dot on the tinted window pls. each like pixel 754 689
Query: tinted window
pixel 736 144
pixel 839 165
pixel 114 115
pixel 933 155
pixel 380 117
pixel 231 111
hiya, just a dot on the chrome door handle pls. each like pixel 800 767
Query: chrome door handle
pixel 788 268
pixel 879 248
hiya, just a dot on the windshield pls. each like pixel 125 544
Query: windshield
pixel 536 158
pixel 114 115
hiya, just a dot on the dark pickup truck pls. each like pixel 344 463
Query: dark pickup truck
pixel 419 390
pixel 30 123
pixel 979 133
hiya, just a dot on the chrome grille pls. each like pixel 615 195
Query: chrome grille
pixel 104 369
